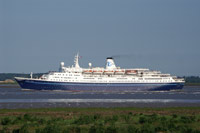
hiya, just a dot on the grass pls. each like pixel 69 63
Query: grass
pixel 100 120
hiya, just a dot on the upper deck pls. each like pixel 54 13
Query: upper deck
pixel 109 74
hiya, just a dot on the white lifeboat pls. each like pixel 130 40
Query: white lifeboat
pixel 87 71
pixel 97 71
pixel 119 71
pixel 108 72
pixel 131 72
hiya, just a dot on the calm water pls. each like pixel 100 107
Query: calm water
pixel 13 97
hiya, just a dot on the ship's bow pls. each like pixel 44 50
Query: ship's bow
pixel 20 81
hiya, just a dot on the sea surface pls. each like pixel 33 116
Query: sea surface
pixel 11 97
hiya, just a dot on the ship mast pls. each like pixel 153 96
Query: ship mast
pixel 76 63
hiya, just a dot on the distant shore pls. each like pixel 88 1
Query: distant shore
pixel 8 81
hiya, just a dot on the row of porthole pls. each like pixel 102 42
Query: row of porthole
pixel 115 81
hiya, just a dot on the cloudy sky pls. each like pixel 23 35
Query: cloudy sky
pixel 36 35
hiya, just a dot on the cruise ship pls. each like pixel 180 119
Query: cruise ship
pixel 110 78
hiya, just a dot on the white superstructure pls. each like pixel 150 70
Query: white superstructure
pixel 109 74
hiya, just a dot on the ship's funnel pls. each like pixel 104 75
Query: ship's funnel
pixel 110 64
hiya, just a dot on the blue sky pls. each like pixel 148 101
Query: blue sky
pixel 36 35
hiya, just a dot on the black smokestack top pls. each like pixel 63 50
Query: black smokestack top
pixel 109 58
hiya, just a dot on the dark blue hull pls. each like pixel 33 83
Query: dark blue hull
pixel 49 85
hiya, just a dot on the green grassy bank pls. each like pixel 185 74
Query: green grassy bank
pixel 101 120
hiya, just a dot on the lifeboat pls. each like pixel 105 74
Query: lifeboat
pixel 131 72
pixel 97 71
pixel 87 71
pixel 119 71
pixel 108 72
